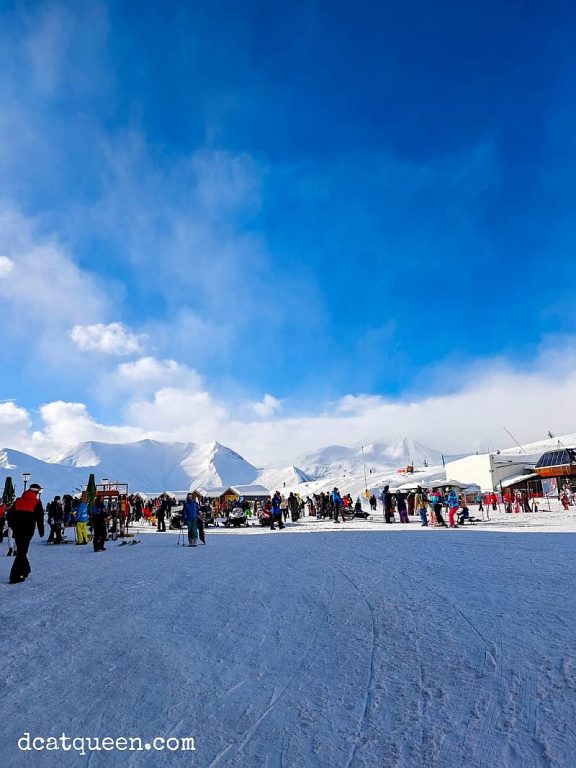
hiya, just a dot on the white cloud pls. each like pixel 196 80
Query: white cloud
pixel 65 424
pixel 180 408
pixel 6 266
pixel 179 414
pixel 110 339
pixel 57 293
pixel 267 407
pixel 13 420
pixel 156 373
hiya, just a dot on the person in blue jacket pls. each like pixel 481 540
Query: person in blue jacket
pixel 81 523
pixel 276 511
pixel 336 500
pixel 190 517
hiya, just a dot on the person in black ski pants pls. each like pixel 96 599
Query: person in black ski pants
pixel 161 514
pixel 55 512
pixel 23 516
pixel 202 512
pixel 387 503
pixel 99 518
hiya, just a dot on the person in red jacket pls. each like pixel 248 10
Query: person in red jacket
pixel 23 516
pixel 3 510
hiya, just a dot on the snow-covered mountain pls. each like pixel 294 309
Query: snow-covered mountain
pixel 149 465
pixel 54 478
pixel 276 479
pixel 376 458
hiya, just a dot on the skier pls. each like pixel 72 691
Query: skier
pixel 23 516
pixel 163 508
pixel 479 501
pixel 411 501
pixel 276 511
pixel 203 512
pixel 293 506
pixel 55 512
pixel 3 510
pixel 453 505
pixel 99 520
pixel 337 503
pixel 386 499
pixel 402 508
pixel 373 503
pixel 190 517
pixel 81 522
pixel 284 507
pixel 435 499
pixel 420 506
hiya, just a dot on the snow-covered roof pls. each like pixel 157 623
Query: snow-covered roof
pixel 250 490
pixel 239 490
pixel 214 493
pixel 518 479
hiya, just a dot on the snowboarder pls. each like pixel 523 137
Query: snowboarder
pixel 24 516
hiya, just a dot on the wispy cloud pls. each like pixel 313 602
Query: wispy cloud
pixel 110 339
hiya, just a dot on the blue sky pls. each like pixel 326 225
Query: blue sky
pixel 307 201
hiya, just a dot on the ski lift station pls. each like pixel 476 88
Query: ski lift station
pixel 491 470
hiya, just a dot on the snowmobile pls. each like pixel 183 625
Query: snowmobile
pixel 348 513
pixel 236 518
pixel 265 517
pixel 176 521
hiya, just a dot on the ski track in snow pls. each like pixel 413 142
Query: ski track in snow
pixel 341 649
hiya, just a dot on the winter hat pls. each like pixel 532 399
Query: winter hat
pixel 35 487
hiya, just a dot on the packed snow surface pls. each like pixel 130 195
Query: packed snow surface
pixel 319 646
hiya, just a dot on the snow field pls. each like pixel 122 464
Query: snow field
pixel 422 648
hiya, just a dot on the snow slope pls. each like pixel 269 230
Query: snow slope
pixel 149 465
pixel 283 478
pixel 375 458
pixel 373 649
pixel 54 479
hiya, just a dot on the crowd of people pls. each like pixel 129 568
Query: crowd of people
pixel 109 517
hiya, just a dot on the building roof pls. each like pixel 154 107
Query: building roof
pixel 250 490
pixel 518 479
pixel 239 490
pixel 560 458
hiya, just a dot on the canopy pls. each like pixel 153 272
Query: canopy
pixel 9 493
pixel 91 492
